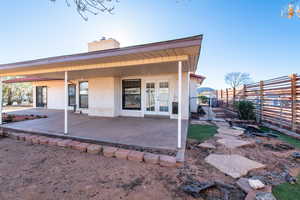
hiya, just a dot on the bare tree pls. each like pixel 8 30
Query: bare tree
pixel 92 6
pixel 236 79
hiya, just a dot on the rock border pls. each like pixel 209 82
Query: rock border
pixel 95 149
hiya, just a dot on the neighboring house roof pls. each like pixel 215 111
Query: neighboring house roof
pixel 199 78
pixel 189 47
pixel 28 79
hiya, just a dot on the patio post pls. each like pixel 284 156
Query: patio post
pixel 179 102
pixel 66 103
pixel 1 100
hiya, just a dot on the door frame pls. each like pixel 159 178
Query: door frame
pixel 156 107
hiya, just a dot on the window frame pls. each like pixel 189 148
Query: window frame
pixel 123 94
pixel 74 85
pixel 79 95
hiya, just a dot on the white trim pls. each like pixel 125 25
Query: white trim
pixel 66 102
pixel 179 102
pixel 1 100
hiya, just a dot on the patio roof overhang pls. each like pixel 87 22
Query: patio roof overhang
pixel 156 56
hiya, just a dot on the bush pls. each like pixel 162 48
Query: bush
pixel 204 99
pixel 245 110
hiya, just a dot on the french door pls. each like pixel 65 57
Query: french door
pixel 157 98
pixel 41 96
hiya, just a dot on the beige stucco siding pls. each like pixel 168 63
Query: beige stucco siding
pixel 55 94
pixel 105 94
pixel 193 95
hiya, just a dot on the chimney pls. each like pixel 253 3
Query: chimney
pixel 103 44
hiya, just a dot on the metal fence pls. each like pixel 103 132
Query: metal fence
pixel 277 101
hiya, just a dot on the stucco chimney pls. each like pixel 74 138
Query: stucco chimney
pixel 103 44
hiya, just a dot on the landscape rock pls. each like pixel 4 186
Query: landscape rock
pixel 256 184
pixel 136 156
pixel 109 151
pixel 206 145
pixel 22 137
pixel 94 149
pixel 167 161
pixel 43 140
pixel 243 183
pixel 82 147
pixel 235 143
pixel 122 153
pixel 230 131
pixel 151 158
pixel 264 196
pixel 64 143
pixel 296 155
pixel 53 141
pixel 233 165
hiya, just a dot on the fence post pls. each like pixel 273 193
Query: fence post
pixel 294 99
pixel 261 95
pixel 227 97
pixel 244 92
pixel 234 95
pixel 221 94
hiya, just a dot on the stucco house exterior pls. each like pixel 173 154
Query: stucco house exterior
pixel 155 79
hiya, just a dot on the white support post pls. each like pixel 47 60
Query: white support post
pixel 179 102
pixel 66 103
pixel 1 100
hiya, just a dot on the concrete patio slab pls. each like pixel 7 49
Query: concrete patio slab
pixel 153 133
pixel 233 165
pixel 235 143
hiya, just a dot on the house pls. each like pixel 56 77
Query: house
pixel 108 81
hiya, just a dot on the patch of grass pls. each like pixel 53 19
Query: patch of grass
pixel 293 141
pixel 287 191
pixel 201 132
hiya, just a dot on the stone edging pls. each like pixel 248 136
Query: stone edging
pixel 108 151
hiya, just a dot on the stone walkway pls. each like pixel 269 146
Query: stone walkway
pixel 233 165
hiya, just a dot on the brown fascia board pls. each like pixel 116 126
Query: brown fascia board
pixel 170 44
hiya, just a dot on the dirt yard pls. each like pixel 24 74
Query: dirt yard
pixel 41 172
pixel 30 171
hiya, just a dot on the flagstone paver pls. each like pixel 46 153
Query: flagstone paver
pixel 225 136
pixel 206 145
pixel 233 165
pixel 230 131
pixel 235 143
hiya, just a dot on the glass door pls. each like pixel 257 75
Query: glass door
pixel 163 98
pixel 150 98
pixel 157 98
pixel 41 96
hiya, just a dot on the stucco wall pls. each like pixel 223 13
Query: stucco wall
pixel 105 95
pixel 193 94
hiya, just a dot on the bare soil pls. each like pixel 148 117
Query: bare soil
pixel 42 172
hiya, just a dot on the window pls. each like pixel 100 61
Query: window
pixel 83 94
pixel 131 98
pixel 72 94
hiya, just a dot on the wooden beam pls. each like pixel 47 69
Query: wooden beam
pixel 100 65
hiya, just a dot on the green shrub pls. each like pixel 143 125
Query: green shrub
pixel 245 110
pixel 204 99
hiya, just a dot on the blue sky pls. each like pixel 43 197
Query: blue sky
pixel 239 35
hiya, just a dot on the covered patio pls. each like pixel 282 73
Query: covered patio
pixel 144 133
